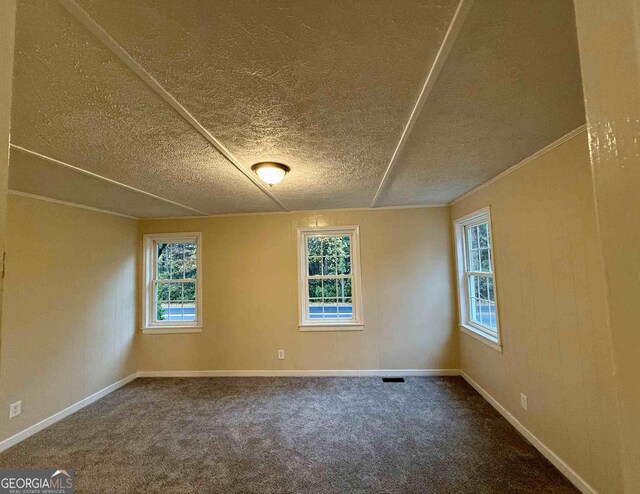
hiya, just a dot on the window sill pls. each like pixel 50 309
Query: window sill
pixel 332 326
pixel 481 337
pixel 173 330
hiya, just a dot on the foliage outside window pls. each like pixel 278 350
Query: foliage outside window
pixel 476 276
pixel 329 278
pixel 172 282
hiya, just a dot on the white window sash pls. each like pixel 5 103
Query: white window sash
pixel 327 324
pixel 479 331
pixel 150 281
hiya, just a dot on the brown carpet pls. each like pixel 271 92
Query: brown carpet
pixel 291 435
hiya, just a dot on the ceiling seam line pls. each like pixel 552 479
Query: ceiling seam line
pixel 448 41
pixel 37 197
pixel 108 41
pixel 100 177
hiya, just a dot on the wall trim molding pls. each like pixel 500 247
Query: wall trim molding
pixel 70 204
pixel 303 373
pixel 526 161
pixel 565 469
pixel 56 417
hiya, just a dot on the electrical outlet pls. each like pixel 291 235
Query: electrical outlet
pixel 524 402
pixel 15 409
pixel 280 354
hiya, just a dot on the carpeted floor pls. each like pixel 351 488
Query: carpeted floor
pixel 291 435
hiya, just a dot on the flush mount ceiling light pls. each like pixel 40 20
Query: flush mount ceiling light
pixel 270 172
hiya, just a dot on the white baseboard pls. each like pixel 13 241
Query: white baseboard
pixel 566 470
pixel 30 431
pixel 302 373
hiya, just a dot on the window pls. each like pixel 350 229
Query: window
pixel 476 277
pixel 172 283
pixel 330 293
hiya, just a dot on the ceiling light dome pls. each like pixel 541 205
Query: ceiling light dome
pixel 270 172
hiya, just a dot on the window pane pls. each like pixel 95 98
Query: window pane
pixel 473 309
pixel 175 292
pixel 485 260
pixel 162 292
pixel 190 260
pixel 315 289
pixel 345 309
pixel 188 291
pixel 482 288
pixel 492 316
pixel 189 310
pixel 330 310
pixel 174 311
pixel 329 291
pixel 344 289
pixel 343 246
pixel 472 237
pixel 483 235
pixel 329 266
pixel 313 246
pixel 162 261
pixel 315 266
pixel 344 265
pixel 482 308
pixel 473 286
pixel 162 299
pixel 474 260
pixel 328 246
pixel 176 261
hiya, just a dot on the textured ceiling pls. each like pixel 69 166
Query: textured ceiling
pixel 34 175
pixel 76 102
pixel 326 87
pixel 510 87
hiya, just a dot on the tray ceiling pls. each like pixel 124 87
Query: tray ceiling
pixel 175 100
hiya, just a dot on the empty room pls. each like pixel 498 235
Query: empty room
pixel 324 247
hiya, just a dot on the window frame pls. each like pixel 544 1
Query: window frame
pixel 306 324
pixel 467 325
pixel 149 326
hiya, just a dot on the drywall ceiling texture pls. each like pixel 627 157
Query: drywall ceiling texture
pixel 511 85
pixel 33 175
pixel 323 87
pixel 76 102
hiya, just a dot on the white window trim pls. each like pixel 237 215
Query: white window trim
pixel 466 325
pixel 149 326
pixel 355 324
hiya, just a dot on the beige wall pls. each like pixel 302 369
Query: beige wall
pixel 7 21
pixel 553 312
pixel 69 308
pixel 609 39
pixel 250 300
